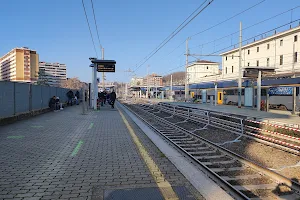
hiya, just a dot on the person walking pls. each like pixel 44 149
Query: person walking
pixel 70 96
pixel 113 97
pixel 101 97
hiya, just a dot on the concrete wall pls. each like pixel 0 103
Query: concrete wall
pixel 18 98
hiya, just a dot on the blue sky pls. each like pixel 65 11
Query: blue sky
pixel 129 30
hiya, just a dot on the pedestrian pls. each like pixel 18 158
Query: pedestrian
pixel 113 97
pixel 70 96
pixel 52 102
pixel 76 100
pixel 101 97
pixel 104 97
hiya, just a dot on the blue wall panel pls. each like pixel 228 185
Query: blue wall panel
pixel 22 97
pixel 6 99
pixel 36 91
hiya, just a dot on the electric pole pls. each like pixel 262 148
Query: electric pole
pixel 171 87
pixel 240 70
pixel 186 88
pixel 103 75
pixel 147 81
pixel 294 88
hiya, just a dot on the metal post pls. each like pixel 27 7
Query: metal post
pixel 103 75
pixel 83 100
pixel 240 70
pixel 186 88
pixel 216 93
pixel 126 91
pixel 95 87
pixel 258 90
pixel 294 88
pixel 171 87
pixel 267 100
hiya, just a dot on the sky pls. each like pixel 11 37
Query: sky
pixel 130 30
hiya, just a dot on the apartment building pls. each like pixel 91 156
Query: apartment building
pixel 136 81
pixel 201 68
pixel 54 73
pixel 20 64
pixel 279 51
pixel 153 80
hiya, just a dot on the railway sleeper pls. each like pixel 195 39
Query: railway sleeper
pixel 191 150
pixel 216 161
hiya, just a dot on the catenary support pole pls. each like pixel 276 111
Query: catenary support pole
pixel 95 87
pixel 240 70
pixel 258 90
pixel 186 88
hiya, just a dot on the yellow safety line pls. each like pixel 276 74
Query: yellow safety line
pixel 163 185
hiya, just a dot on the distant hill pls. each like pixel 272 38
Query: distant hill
pixel 178 78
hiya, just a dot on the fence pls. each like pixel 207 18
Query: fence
pixel 18 98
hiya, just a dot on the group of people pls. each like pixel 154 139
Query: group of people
pixel 72 97
pixel 54 103
pixel 104 97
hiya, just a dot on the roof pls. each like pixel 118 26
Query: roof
pixel 266 39
pixel 206 61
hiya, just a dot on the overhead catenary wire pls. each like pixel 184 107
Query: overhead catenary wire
pixel 260 22
pixel 238 43
pixel 157 49
pixel 228 19
pixel 87 20
pixel 253 37
pixel 243 11
pixel 96 25
pixel 177 28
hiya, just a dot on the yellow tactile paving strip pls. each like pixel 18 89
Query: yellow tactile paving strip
pixel 163 185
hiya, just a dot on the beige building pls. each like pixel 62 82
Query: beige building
pixel 153 80
pixel 201 68
pixel 279 51
pixel 20 64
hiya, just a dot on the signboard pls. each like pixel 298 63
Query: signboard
pixel 106 68
pixel 281 91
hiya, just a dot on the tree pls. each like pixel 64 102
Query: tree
pixel 42 78
pixel 138 83
pixel 178 78
pixel 72 83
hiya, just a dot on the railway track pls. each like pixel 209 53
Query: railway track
pixel 233 123
pixel 240 177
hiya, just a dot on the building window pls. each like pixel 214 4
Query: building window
pixel 248 51
pixel 257 63
pixel 206 67
pixel 248 64
pixel 281 60
pixel 296 57
pixel 295 38
pixel 281 42
pixel 268 46
pixel 268 62
pixel 226 57
pixel 232 56
pixel 232 69
pixel 226 70
pixel 257 49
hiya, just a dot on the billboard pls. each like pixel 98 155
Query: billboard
pixel 281 91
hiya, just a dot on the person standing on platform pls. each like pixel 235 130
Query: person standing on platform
pixel 113 97
pixel 101 97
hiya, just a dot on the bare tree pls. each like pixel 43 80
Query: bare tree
pixel 72 83
pixel 178 78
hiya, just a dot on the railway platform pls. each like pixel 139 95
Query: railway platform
pixel 272 117
pixel 100 155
